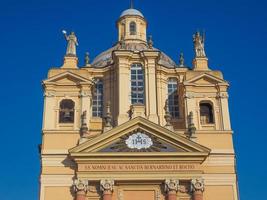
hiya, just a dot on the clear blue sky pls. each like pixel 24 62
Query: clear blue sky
pixel 32 43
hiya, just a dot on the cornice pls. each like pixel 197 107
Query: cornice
pixel 61 131
pixel 185 157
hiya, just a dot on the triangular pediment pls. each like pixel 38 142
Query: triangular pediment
pixel 67 78
pixel 122 142
pixel 205 80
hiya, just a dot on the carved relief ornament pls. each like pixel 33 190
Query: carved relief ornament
pixel 171 185
pixel 106 185
pixel 197 184
pixel 80 185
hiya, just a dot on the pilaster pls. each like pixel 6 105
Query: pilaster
pixel 197 188
pixel 123 70
pixel 150 58
pixel 190 106
pixel 49 111
pixel 171 188
pixel 225 116
pixel 106 187
pixel 80 188
pixel 85 98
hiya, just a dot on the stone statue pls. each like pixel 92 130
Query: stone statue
pixel 199 45
pixel 150 42
pixel 168 116
pixel 191 125
pixel 108 118
pixel 181 60
pixel 72 43
pixel 87 59
pixel 84 128
pixel 83 117
pixel 122 43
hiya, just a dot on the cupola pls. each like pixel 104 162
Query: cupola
pixel 132 26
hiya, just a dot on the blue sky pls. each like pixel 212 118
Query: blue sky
pixel 32 43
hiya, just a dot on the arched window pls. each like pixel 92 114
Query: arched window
pixel 98 99
pixel 206 113
pixel 173 100
pixel 132 28
pixel 137 84
pixel 66 111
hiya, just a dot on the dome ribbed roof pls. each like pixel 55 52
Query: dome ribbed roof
pixel 105 58
pixel 131 11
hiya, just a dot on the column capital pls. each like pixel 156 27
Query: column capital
pixel 80 185
pixel 171 185
pixel 197 185
pixel 106 185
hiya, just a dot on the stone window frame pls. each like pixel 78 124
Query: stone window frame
pixel 63 109
pixel 137 84
pixel 98 98
pixel 211 113
pixel 173 99
pixel 132 28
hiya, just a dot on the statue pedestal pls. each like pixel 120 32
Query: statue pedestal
pixel 70 62
pixel 138 110
pixel 200 64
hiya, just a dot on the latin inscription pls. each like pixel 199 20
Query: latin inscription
pixel 136 167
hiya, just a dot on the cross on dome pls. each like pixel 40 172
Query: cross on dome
pixel 131 11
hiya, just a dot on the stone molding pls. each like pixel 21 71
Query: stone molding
pixel 197 185
pixel 106 185
pixel 171 185
pixel 85 94
pixel 222 95
pixel 49 94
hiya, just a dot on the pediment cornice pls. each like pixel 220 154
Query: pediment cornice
pixel 210 80
pixel 73 79
pixel 186 149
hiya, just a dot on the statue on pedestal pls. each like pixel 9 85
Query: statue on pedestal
pixel 150 42
pixel 72 43
pixel 87 59
pixel 199 45
pixel 181 60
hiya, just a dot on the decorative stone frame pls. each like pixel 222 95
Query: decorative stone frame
pixel 209 126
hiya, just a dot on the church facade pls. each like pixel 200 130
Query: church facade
pixel 133 124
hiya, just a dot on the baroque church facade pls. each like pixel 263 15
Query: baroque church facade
pixel 133 124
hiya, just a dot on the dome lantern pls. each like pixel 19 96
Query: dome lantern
pixel 132 25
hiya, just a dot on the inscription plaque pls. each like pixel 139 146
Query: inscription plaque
pixel 136 167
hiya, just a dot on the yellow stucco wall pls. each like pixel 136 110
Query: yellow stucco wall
pixel 59 169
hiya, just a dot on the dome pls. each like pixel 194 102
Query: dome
pixel 131 11
pixel 105 58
